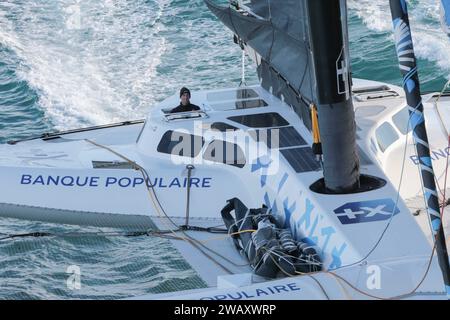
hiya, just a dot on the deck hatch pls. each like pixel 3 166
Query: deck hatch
pixel 239 104
pixel 112 165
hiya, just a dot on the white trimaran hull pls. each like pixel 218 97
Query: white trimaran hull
pixel 63 179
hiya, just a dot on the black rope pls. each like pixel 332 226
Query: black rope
pixel 208 229
pixel 112 234
pixel 23 235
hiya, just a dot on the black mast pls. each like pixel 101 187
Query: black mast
pixel 329 49
pixel 408 69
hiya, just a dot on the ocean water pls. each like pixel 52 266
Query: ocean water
pixel 74 63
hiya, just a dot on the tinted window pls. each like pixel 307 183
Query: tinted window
pixel 386 135
pixel 260 120
pixel 401 119
pixel 225 152
pixel 182 144
pixel 222 126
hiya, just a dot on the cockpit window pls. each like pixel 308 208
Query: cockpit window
pixel 260 120
pixel 386 135
pixel 181 144
pixel 225 152
pixel 401 119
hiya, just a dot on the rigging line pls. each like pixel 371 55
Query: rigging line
pixel 343 289
pixel 136 166
pixel 396 202
pixel 32 234
pixel 185 236
pixel 273 40
pixel 232 23
pixel 309 261
pixel 320 285
pixel 226 236
pixel 448 147
pixel 234 224
pixel 355 288
pixel 197 245
pixel 86 234
pixel 152 194
pixel 439 114
pixel 293 275
pixel 384 231
pixel 194 242
pixel 436 181
pixel 388 298
pixel 424 276
pixel 444 200
pixel 304 71
pixel 382 235
pixel 340 278
pixel 215 252
pixel 381 298
pixel 425 206
pixel 442 92
pixel 148 232
pixel 273 33
pixel 243 82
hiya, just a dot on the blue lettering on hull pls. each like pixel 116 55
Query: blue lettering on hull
pixel 255 293
pixel 107 182
pixel 434 154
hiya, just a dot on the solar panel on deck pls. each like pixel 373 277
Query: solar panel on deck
pixel 278 137
pixel 240 104
pixel 260 120
pixel 301 159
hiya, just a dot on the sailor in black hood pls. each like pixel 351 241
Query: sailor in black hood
pixel 185 104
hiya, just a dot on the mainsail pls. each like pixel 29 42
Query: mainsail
pixel 303 59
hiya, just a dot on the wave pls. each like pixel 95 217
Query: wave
pixel 430 42
pixel 91 62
